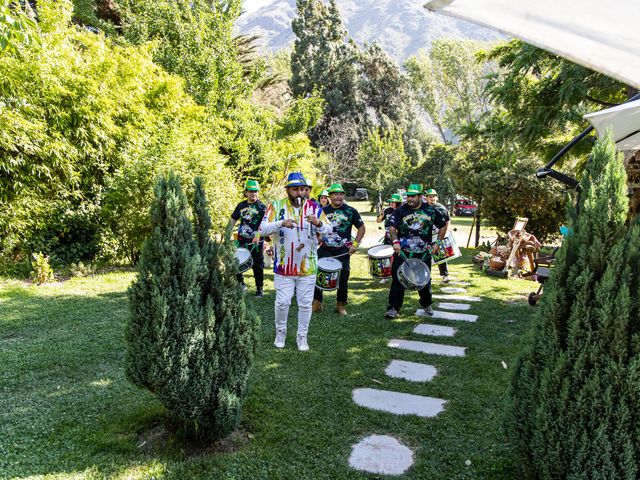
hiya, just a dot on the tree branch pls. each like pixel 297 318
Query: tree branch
pixel 601 102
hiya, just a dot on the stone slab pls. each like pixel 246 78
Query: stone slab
pixel 398 403
pixel 454 306
pixel 456 298
pixel 452 290
pixel 462 317
pixel 412 371
pixel 381 454
pixel 460 284
pixel 425 347
pixel 434 330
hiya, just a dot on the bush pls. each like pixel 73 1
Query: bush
pixel 190 338
pixel 42 271
pixel 573 404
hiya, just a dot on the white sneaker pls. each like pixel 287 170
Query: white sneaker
pixel 281 335
pixel 445 279
pixel 303 346
pixel 424 312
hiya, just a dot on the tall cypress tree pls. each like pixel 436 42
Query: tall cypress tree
pixel 190 339
pixel 573 403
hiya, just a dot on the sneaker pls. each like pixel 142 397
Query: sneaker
pixel 303 346
pixel 244 287
pixel 281 335
pixel 445 279
pixel 317 306
pixel 424 312
pixel 391 313
pixel 340 308
pixel 259 293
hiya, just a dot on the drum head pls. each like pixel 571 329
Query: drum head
pixel 329 264
pixel 243 255
pixel 380 251
pixel 414 274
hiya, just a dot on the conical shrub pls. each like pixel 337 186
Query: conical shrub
pixel 572 407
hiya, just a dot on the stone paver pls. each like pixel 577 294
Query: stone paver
pixel 412 371
pixel 454 306
pixel 463 317
pixel 398 403
pixel 456 298
pixel 452 290
pixel 381 454
pixel 425 347
pixel 434 330
pixel 460 284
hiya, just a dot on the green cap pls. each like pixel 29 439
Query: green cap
pixel 336 188
pixel 324 193
pixel 252 185
pixel 431 191
pixel 414 189
pixel 395 198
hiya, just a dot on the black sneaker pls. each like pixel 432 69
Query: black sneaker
pixel 259 293
pixel 391 313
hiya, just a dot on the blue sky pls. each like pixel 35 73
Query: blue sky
pixel 253 5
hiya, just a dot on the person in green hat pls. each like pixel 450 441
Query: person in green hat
pixel 338 243
pixel 411 236
pixel 323 198
pixel 432 199
pixel 250 213
pixel 394 202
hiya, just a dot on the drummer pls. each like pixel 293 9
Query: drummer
pixel 410 233
pixel 323 198
pixel 394 202
pixel 250 213
pixel 338 244
pixel 294 220
pixel 432 199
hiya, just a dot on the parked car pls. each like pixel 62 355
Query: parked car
pixel 361 194
pixel 464 206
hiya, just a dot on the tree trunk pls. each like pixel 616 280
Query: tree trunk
pixel 478 226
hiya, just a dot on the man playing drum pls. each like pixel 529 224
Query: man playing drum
pixel 295 221
pixel 338 244
pixel 432 199
pixel 410 233
pixel 250 213
pixel 385 215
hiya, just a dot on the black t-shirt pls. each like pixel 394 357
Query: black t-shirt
pixel 388 215
pixel 414 226
pixel 250 216
pixel 342 219
pixel 445 214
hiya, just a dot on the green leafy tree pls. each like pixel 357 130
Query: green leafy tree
pixel 190 338
pixel 572 411
pixel 16 25
pixel 434 172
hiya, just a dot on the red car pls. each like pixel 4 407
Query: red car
pixel 465 206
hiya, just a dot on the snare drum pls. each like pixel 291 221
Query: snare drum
pixel 245 262
pixel 328 275
pixel 380 259
pixel 414 274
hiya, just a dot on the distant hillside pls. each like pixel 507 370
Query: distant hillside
pixel 401 27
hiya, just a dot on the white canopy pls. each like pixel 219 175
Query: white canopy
pixel 623 120
pixel 598 34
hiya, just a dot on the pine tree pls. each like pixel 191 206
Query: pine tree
pixel 190 339
pixel 572 411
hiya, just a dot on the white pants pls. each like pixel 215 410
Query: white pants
pixel 285 287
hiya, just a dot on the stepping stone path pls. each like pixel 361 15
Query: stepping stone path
pixel 428 348
pixel 434 330
pixel 381 454
pixel 385 455
pixel 414 372
pixel 463 317
pixel 452 290
pixel 398 403
pixel 456 298
pixel 454 306
pixel 462 284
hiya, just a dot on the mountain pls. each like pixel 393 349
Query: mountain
pixel 401 27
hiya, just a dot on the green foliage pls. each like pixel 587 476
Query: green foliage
pixel 382 163
pixel 81 270
pixel 41 269
pixel 190 338
pixel 504 187
pixel 434 172
pixel 573 402
pixel 16 25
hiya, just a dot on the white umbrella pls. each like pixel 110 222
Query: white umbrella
pixel 600 35
pixel 623 120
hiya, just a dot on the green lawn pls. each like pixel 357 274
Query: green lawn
pixel 67 411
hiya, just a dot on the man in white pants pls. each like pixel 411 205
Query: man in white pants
pixel 295 221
